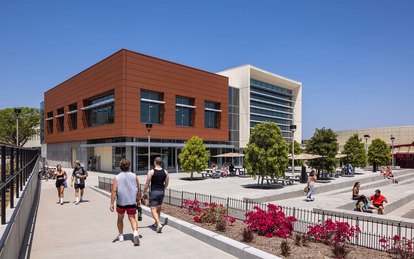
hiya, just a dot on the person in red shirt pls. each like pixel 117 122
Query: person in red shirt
pixel 378 201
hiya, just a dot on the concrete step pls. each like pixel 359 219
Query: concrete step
pixel 332 186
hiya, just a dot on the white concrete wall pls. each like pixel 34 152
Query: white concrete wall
pixel 105 158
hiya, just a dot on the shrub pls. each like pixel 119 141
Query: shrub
pixel 272 222
pixel 400 246
pixel 298 240
pixel 221 225
pixel 330 231
pixel 285 248
pixel 193 207
pixel 340 251
pixel 247 235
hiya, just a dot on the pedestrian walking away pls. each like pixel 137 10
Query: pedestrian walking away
pixel 311 185
pixel 60 176
pixel 158 179
pixel 79 175
pixel 125 190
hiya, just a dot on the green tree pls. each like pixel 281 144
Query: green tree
pixel 298 150
pixel 29 122
pixel 324 143
pixel 194 156
pixel 354 148
pixel 379 153
pixel 266 153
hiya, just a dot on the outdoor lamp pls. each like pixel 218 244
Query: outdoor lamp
pixel 17 112
pixel 293 129
pixel 392 150
pixel 366 137
pixel 149 127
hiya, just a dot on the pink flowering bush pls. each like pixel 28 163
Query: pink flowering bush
pixel 401 247
pixel 272 222
pixel 207 212
pixel 333 231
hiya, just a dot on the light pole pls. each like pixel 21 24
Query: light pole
pixel 293 129
pixel 392 151
pixel 366 137
pixel 149 127
pixel 17 112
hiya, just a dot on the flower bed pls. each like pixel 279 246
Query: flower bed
pixel 234 229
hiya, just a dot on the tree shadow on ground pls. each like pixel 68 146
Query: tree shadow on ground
pixel 263 187
pixel 195 178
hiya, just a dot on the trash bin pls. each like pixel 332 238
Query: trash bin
pixel 303 175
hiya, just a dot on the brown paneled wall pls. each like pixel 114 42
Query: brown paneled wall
pixel 126 73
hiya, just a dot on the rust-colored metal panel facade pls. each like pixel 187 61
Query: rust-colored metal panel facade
pixel 126 73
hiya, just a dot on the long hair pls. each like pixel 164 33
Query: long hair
pixel 355 185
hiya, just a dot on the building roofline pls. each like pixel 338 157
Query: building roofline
pixel 263 71
pixel 387 127
pixel 134 52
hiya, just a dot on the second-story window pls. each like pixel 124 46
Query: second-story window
pixel 73 116
pixel 151 107
pixel 212 115
pixel 100 110
pixel 60 117
pixel 184 111
pixel 49 122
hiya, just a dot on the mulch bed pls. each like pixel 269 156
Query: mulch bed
pixel 272 245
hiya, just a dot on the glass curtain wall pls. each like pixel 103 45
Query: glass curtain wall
pixel 151 107
pixel 100 111
pixel 234 127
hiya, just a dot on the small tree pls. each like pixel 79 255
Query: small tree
pixel 266 153
pixel 378 153
pixel 194 156
pixel 323 143
pixel 354 148
pixel 29 121
pixel 298 150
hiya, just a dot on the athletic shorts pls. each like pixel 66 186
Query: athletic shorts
pixel 156 198
pixel 129 209
pixel 378 205
pixel 79 186
pixel 60 183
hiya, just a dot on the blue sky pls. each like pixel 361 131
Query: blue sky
pixel 354 58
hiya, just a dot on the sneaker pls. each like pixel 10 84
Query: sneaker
pixel 81 200
pixel 159 228
pixel 121 238
pixel 136 240
pixel 61 203
pixel 77 203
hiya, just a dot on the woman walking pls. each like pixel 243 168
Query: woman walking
pixel 60 176
pixel 311 185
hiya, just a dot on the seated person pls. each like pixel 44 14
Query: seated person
pixel 383 171
pixel 231 169
pixel 350 169
pixel 215 168
pixel 224 171
pixel 389 175
pixel 362 205
pixel 355 191
pixel 378 201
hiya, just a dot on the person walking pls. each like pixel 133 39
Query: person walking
pixel 158 179
pixel 125 189
pixel 79 175
pixel 378 201
pixel 311 185
pixel 60 176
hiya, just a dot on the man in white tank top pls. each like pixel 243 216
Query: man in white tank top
pixel 125 190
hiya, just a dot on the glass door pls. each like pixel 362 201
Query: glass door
pixel 117 154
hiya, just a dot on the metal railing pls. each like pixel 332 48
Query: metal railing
pixel 372 230
pixel 17 167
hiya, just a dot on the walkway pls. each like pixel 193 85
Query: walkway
pixel 87 230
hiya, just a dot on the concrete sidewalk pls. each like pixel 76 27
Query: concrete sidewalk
pixel 88 230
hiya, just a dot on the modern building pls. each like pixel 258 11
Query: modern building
pixel 262 96
pixel 116 107
pixel 399 138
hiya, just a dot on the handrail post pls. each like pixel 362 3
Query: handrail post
pixel 11 184
pixel 3 179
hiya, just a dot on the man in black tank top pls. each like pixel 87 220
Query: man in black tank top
pixel 158 179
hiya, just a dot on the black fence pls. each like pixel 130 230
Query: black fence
pixel 16 164
pixel 372 230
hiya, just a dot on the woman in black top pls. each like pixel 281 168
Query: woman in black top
pixel 60 176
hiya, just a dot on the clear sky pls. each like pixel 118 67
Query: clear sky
pixel 354 58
